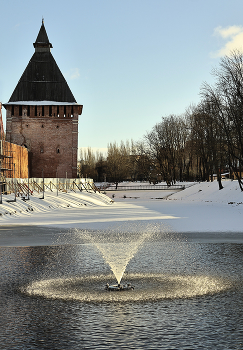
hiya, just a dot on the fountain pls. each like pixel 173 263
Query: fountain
pixel 53 291
pixel 118 248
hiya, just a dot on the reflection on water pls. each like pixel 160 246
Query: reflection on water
pixel 188 295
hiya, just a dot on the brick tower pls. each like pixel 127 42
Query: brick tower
pixel 42 115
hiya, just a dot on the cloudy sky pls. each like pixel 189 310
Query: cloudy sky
pixel 128 62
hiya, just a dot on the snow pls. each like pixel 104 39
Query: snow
pixel 41 103
pixel 200 208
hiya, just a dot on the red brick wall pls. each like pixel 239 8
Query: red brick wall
pixel 52 141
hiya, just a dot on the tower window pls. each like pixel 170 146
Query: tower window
pixel 42 125
pixel 58 150
pixel 43 113
pixel 35 111
pixel 20 110
pixel 28 111
pixel 12 110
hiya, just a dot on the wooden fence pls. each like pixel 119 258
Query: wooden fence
pixel 24 187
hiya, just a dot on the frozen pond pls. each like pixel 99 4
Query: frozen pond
pixel 188 293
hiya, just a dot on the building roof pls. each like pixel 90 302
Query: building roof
pixel 39 103
pixel 42 79
pixel 42 38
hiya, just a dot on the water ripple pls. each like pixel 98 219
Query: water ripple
pixel 147 287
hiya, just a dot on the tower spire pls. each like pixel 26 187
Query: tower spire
pixel 42 42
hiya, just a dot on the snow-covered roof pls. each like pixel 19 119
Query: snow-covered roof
pixel 41 103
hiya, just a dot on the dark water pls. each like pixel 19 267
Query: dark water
pixel 188 295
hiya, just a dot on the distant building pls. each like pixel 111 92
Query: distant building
pixel 42 115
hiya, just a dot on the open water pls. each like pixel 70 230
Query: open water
pixel 188 293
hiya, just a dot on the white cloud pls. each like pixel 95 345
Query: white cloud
pixel 228 32
pixel 233 35
pixel 74 73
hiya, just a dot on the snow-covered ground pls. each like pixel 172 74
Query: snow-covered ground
pixel 201 207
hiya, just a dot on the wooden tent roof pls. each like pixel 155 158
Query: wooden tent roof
pixel 42 79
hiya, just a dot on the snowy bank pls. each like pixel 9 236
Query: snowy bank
pixel 50 202
pixel 208 192
pixel 202 192
pixel 201 207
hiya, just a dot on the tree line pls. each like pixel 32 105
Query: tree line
pixel 204 142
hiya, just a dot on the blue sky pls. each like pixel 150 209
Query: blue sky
pixel 128 62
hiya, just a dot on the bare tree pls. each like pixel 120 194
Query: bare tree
pixel 118 162
pixel 87 163
pixel 227 98
pixel 101 167
pixel 141 163
pixel 208 142
pixel 166 143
